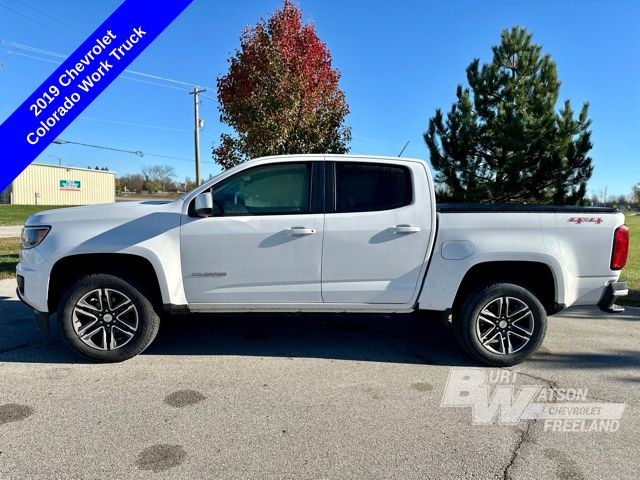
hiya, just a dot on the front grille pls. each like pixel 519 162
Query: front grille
pixel 21 284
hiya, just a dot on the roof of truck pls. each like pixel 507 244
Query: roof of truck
pixel 335 156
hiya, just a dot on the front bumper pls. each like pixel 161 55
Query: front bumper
pixel 42 318
pixel 34 271
pixel 612 292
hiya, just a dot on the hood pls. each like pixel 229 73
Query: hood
pixel 109 212
pixel 107 228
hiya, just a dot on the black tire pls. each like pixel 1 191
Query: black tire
pixel 468 334
pixel 147 320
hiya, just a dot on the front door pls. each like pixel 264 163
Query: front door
pixel 262 246
pixel 377 231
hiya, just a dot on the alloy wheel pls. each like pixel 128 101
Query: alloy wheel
pixel 505 325
pixel 105 319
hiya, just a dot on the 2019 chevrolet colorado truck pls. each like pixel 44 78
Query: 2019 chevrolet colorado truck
pixel 318 233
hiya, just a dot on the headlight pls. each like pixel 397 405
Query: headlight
pixel 32 236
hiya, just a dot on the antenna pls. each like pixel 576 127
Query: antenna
pixel 405 146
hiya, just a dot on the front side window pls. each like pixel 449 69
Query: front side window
pixel 281 189
pixel 367 187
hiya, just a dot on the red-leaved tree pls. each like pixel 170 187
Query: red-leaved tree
pixel 281 94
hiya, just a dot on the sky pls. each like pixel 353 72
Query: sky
pixel 399 61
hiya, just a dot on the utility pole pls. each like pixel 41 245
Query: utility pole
pixel 198 124
pixel 59 159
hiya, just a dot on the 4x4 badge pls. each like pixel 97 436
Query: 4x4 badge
pixel 580 220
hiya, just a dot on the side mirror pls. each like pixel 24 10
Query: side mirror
pixel 204 205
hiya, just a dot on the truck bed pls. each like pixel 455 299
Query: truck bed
pixel 508 207
pixel 573 242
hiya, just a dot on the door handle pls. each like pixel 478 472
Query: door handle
pixel 300 231
pixel 406 229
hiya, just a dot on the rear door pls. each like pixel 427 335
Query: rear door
pixel 377 230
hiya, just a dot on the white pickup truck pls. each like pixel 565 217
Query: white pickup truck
pixel 328 233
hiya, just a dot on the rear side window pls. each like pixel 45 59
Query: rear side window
pixel 366 187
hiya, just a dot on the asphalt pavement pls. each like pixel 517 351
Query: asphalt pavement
pixel 304 396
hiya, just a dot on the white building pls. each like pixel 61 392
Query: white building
pixel 42 184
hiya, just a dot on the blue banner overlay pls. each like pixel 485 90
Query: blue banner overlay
pixel 80 79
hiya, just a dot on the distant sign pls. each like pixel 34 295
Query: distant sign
pixel 69 184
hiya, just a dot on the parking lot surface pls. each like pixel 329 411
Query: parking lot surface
pixel 303 396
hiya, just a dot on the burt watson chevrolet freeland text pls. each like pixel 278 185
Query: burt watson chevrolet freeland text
pixel 75 81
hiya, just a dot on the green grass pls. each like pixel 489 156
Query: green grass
pixel 631 272
pixel 9 249
pixel 17 214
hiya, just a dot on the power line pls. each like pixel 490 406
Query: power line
pixel 42 51
pixel 133 124
pixel 190 160
pixel 125 77
pixel 45 14
pixel 59 141
pixel 83 32
pixel 141 125
pixel 130 124
pixel 32 49
pixel 158 77
pixel 139 153
pixel 153 83
pixel 33 56
pixel 37 21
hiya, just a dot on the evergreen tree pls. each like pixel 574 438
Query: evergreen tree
pixel 503 140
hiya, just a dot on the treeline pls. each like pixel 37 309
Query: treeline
pixel 624 202
pixel 155 179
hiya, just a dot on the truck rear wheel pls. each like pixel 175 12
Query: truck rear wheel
pixel 105 318
pixel 501 325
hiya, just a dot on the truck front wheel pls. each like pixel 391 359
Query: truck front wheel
pixel 105 318
pixel 501 325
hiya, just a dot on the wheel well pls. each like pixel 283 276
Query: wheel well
pixel 534 276
pixel 128 267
